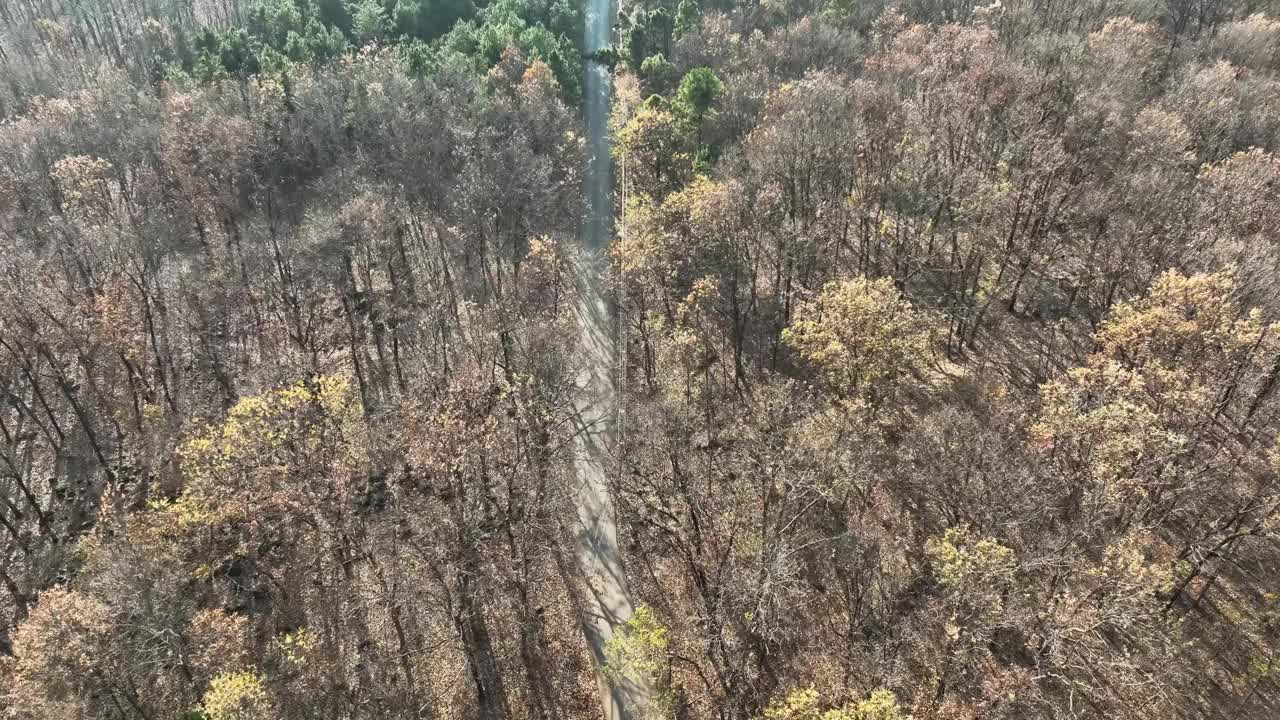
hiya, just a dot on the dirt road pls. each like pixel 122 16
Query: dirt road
pixel 608 602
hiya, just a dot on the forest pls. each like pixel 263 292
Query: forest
pixel 940 380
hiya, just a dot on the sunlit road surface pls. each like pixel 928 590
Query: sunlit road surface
pixel 608 603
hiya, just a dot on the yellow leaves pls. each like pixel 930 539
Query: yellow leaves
pixel 689 347
pixel 1120 592
pixel 545 277
pixel 648 131
pixel 1235 191
pixel 1250 42
pixel 1100 411
pixel 974 571
pixel 538 81
pixel 805 704
pixel 799 704
pixel 189 513
pixel 641 251
pixel 297 646
pixel 1164 367
pixel 269 91
pixel 335 394
pixel 888 227
pixel 237 696
pixel 706 203
pixel 1125 47
pixel 82 181
pixel 859 333
pixel 270 452
pixel 1126 565
pixel 74 172
pixel 296 416
pixel 1161 137
pixel 1182 314
pixel 962 559
pixel 654 147
pixel 881 705
pixel 638 653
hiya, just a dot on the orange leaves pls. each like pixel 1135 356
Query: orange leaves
pixel 538 81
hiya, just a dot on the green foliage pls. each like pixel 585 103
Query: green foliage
pixel 525 26
pixel 661 24
pixel 369 21
pixel 208 68
pixel 325 41
pixel 419 58
pixel 272 21
pixel 638 43
pixel 699 89
pixel 272 62
pixel 607 56
pixel 278 33
pixel 236 49
pixel 687 14
pixel 274 38
pixel 657 73
pixel 431 34
pixel 704 159
pixel 428 19
pixel 330 13
pixel 296 47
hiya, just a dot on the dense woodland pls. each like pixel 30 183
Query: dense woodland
pixel 949 363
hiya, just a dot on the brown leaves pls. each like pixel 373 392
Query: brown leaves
pixel 63 654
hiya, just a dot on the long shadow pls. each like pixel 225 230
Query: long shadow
pixel 606 605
